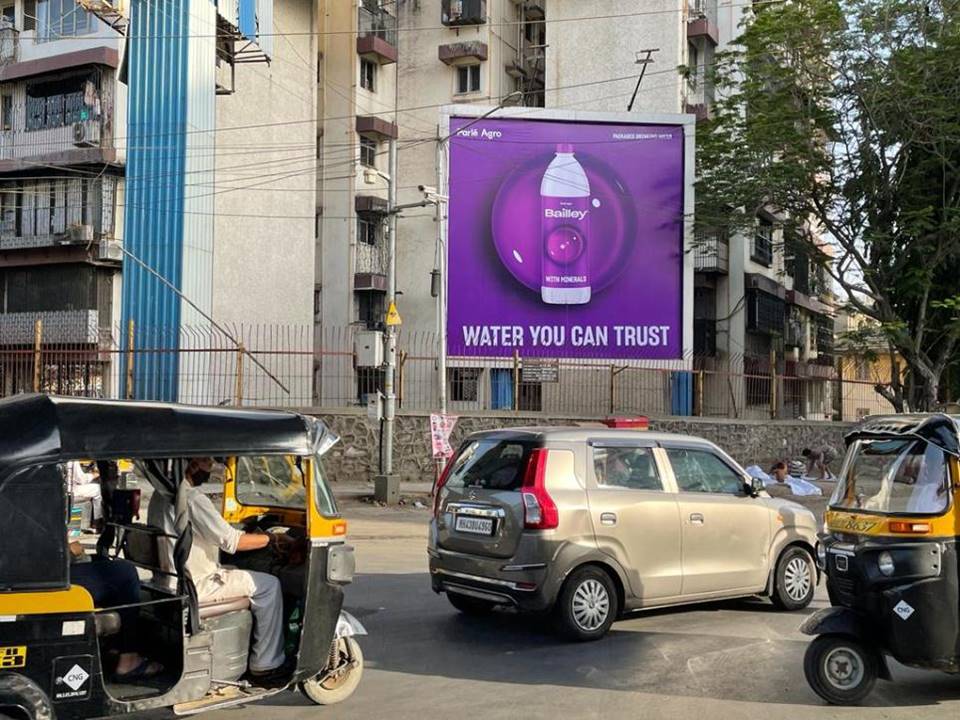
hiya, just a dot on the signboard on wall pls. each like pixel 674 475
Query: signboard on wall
pixel 565 239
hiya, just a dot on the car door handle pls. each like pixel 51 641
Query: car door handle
pixel 696 518
pixel 608 518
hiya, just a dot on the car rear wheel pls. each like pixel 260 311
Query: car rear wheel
pixel 587 606
pixel 469 605
pixel 840 669
pixel 795 580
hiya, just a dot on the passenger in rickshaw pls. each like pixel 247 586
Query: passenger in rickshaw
pixel 211 534
pixel 115 583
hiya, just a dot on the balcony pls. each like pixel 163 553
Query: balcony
pixel 702 21
pixel 370 267
pixel 79 327
pixel 711 253
pixel 699 97
pixel 377 36
pixel 455 13
pixel 766 313
pixel 461 52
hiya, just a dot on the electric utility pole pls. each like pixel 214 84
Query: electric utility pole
pixel 643 62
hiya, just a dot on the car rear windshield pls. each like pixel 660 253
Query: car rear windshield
pixel 490 464
pixel 894 476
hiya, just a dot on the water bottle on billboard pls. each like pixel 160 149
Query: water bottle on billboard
pixel 565 227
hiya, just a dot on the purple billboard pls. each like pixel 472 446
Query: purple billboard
pixel 565 239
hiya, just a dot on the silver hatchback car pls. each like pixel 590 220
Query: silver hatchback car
pixel 591 523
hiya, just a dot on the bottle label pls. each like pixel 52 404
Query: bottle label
pixel 565 224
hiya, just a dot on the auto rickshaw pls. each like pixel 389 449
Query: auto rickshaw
pixel 889 551
pixel 56 647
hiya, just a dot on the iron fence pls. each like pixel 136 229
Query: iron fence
pixel 299 366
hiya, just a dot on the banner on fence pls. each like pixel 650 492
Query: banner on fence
pixel 441 426
pixel 565 238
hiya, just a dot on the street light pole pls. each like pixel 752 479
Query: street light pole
pixel 389 382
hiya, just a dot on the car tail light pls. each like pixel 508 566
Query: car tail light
pixel 440 483
pixel 539 510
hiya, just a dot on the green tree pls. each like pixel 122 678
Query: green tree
pixel 843 116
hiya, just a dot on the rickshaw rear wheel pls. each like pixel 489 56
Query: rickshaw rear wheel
pixel 337 685
pixel 840 669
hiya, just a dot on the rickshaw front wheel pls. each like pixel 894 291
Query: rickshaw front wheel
pixel 840 669
pixel 336 684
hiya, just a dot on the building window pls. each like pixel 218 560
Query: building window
pixel 464 384
pixel 30 14
pixel 763 243
pixel 468 79
pixel 8 14
pixel 368 229
pixel 368 152
pixel 62 18
pixel 6 112
pixel 59 103
pixel 693 62
pixel 368 75
pixel 370 307
pixel 317 306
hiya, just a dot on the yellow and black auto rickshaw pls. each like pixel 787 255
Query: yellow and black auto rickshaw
pixel 57 648
pixel 889 551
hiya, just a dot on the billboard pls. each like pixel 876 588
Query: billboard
pixel 565 238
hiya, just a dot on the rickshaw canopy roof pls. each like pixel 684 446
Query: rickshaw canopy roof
pixel 934 428
pixel 46 428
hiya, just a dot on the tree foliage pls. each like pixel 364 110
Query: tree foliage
pixel 843 116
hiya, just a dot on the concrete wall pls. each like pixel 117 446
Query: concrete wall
pixel 355 457
pixel 613 41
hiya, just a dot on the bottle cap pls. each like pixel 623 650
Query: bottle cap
pixel 565 148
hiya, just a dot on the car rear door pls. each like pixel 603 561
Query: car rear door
pixel 726 532
pixel 480 505
pixel 635 519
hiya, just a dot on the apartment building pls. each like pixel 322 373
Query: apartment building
pixel 62 158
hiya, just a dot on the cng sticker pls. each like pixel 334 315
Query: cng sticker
pixel 903 609
pixel 71 678
pixel 13 657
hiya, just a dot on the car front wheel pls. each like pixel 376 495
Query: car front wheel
pixel 587 606
pixel 795 580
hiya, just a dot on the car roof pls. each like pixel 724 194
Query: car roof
pixel 581 433
pixel 48 428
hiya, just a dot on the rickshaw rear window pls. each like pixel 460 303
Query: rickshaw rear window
pixel 33 534
pixel 895 477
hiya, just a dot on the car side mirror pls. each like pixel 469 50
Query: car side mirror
pixel 752 486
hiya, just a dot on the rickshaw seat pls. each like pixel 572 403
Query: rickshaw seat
pixel 216 608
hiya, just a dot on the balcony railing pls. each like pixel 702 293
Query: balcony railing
pixel 377 23
pixel 59 326
pixel 702 10
pixel 17 144
pixel 371 259
pixel 463 12
pixel 711 253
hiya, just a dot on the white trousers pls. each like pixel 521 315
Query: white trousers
pixel 266 602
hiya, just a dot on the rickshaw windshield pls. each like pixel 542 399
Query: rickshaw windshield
pixel 271 481
pixel 894 477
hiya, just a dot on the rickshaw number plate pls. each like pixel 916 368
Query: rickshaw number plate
pixel 903 609
pixel 13 657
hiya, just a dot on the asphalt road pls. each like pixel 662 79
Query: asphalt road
pixel 424 659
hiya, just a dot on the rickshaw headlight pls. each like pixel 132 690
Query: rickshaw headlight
pixel 885 563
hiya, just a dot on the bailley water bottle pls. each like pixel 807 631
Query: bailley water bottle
pixel 565 227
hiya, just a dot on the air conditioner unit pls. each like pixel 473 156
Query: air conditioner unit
pixel 80 233
pixel 86 134
pixel 109 250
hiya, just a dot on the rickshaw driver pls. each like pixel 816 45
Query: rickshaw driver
pixel 211 534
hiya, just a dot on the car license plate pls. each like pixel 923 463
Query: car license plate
pixel 474 525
